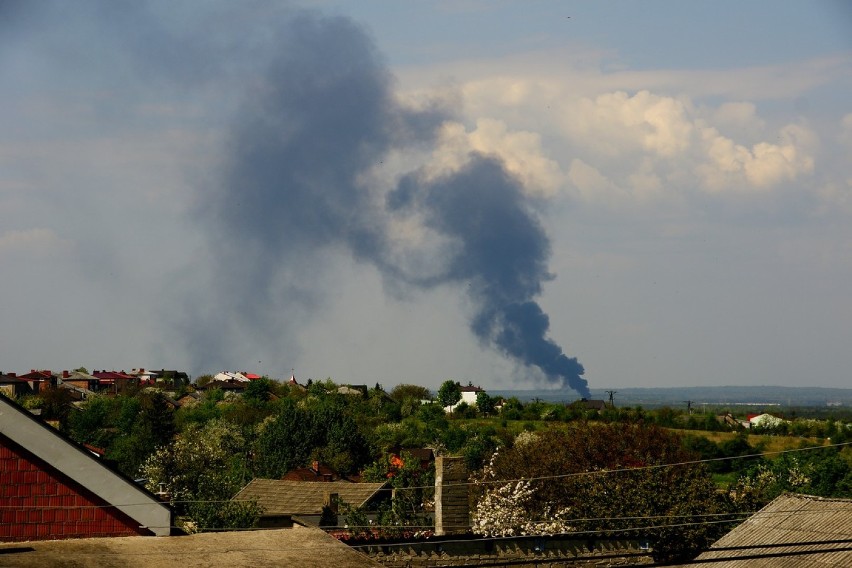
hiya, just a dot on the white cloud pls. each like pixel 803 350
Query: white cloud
pixel 592 184
pixel 618 145
pixel 761 166
pixel 614 123
pixel 521 152
pixel 652 134
pixel 739 118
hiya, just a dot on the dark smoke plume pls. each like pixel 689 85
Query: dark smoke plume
pixel 322 116
pixel 501 252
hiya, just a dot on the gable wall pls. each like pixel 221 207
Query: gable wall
pixel 38 502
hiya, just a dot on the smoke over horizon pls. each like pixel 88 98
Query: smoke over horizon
pixel 295 184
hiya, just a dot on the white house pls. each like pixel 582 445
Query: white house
pixel 468 396
pixel 765 421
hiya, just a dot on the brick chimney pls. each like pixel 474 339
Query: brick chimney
pixel 65 374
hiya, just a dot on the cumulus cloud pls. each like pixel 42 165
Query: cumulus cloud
pixel 617 145
pixel 762 166
pixel 521 152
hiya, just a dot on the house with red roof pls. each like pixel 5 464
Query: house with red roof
pixel 39 379
pixel 115 381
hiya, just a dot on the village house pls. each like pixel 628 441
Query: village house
pixel 285 502
pixel 764 421
pixel 13 386
pixel 39 379
pixel 315 472
pixel 53 488
pixel 468 397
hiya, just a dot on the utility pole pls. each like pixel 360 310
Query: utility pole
pixel 611 393
pixel 688 406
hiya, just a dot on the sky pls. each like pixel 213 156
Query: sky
pixel 538 194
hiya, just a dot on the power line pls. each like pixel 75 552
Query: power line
pixel 496 481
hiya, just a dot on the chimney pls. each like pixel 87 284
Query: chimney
pixel 65 374
pixel 452 512
pixel 315 466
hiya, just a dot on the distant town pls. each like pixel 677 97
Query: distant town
pixel 385 476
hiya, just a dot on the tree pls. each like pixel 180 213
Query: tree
pixel 412 485
pixel 402 392
pixel 93 424
pixel 822 472
pixel 144 423
pixel 285 441
pixel 612 491
pixel 485 403
pixel 56 403
pixel 203 380
pixel 296 435
pixel 258 391
pixel 449 393
pixel 201 471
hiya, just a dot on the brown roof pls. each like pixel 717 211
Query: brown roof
pixel 284 497
pixel 296 547
pixel 793 531
pixel 317 472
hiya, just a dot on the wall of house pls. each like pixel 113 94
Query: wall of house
pixel 550 552
pixel 38 502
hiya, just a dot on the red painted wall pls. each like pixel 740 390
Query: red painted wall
pixel 38 502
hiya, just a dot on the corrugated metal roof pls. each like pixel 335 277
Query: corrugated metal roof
pixel 283 497
pixel 793 531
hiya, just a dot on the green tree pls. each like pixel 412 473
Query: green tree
pixel 413 488
pixel 512 409
pixel 258 391
pixel 402 392
pixel 144 423
pixel 449 393
pixel 93 424
pixel 203 380
pixel 485 403
pixel 323 431
pixel 284 441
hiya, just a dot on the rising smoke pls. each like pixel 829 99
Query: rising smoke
pixel 322 116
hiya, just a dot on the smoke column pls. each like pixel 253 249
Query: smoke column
pixel 323 114
pixel 501 252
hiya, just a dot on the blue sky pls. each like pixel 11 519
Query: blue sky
pixel 688 165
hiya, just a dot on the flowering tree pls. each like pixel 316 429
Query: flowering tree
pixel 600 478
pixel 201 471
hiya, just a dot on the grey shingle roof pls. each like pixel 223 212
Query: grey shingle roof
pixel 793 531
pixel 281 497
